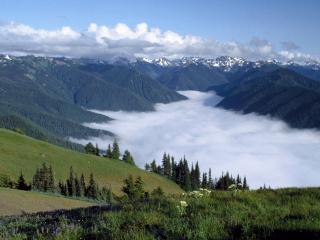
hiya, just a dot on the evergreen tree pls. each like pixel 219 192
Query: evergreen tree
pixel 90 149
pixel 147 167
pixel 129 188
pixel 62 188
pixel 245 184
pixel 92 189
pixel 153 166
pixel 197 175
pixel 51 185
pixel 210 180
pixel 109 152
pixel 238 182
pixel 97 150
pixel 21 183
pixel 77 186
pixel 115 150
pixel 166 165
pixel 173 169
pixel 71 183
pixel 204 183
pixel 127 157
pixel 139 191
pixel 82 186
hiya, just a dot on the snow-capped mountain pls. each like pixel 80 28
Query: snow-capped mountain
pixel 226 63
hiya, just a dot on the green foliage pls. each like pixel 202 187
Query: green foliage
pixel 127 157
pixel 43 179
pixel 115 150
pixel 134 189
pixel 262 214
pixel 21 183
pixel 90 149
pixel 17 150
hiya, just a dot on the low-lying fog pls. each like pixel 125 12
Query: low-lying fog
pixel 266 151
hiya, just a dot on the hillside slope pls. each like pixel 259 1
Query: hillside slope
pixel 282 93
pixel 15 202
pixel 22 153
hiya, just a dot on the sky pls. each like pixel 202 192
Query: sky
pixel 288 28
pixel 264 150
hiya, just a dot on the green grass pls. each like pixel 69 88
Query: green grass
pixel 22 153
pixel 15 202
pixel 265 214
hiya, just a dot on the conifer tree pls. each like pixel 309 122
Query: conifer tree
pixel 109 152
pixel 204 183
pixel 77 186
pixel 71 183
pixel 82 186
pixel 21 183
pixel 51 185
pixel 90 149
pixel 147 167
pixel 245 184
pixel 127 157
pixel 153 166
pixel 197 175
pixel 92 189
pixel 62 188
pixel 115 150
pixel 210 180
pixel 97 150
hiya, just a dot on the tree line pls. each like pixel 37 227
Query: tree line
pixel 43 180
pixel 111 152
pixel 190 178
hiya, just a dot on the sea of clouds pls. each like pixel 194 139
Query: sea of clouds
pixel 266 151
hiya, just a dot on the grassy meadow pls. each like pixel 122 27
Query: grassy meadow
pixel 21 153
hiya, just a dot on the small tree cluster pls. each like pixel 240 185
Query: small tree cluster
pixel 77 187
pixel 111 152
pixel 189 178
pixel 43 179
pixel 90 149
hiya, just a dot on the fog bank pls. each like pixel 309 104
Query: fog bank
pixel 266 151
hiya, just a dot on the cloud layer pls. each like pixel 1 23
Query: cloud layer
pixel 265 150
pixel 100 41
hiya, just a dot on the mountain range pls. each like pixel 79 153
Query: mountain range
pixel 48 98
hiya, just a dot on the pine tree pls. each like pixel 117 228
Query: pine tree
pixel 82 186
pixel 129 187
pixel 210 180
pixel 147 167
pixel 139 191
pixel 173 169
pixel 92 189
pixel 51 185
pixel 90 149
pixel 166 164
pixel 115 150
pixel 245 184
pixel 62 188
pixel 204 183
pixel 109 152
pixel 21 183
pixel 77 186
pixel 238 182
pixel 127 157
pixel 97 150
pixel 71 183
pixel 197 175
pixel 153 166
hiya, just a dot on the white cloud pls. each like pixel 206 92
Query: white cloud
pixel 266 151
pixel 120 40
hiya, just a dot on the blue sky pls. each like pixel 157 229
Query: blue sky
pixel 276 21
